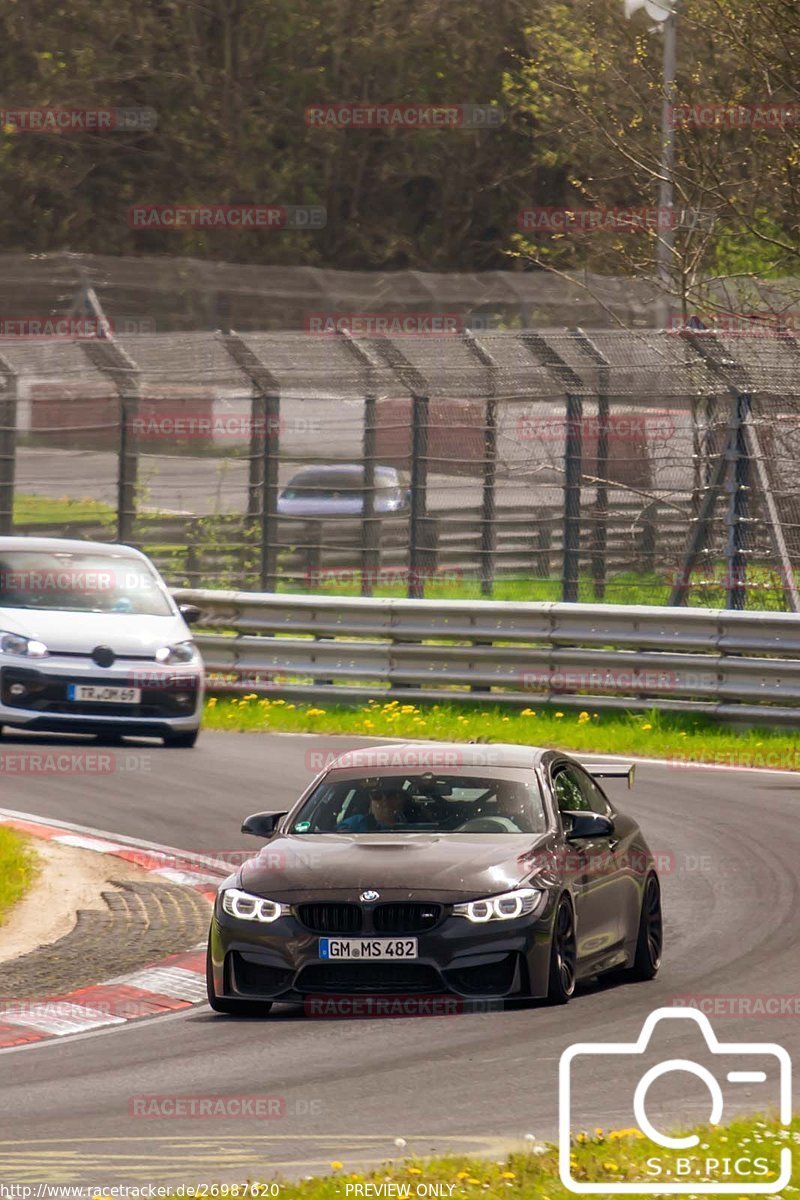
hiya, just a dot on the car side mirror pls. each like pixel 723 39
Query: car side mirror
pixel 190 613
pixel 588 825
pixel 262 824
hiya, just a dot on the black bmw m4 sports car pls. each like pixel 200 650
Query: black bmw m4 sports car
pixel 477 870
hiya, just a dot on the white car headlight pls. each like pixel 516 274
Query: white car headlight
pixel 15 643
pixel 501 908
pixel 252 908
pixel 181 652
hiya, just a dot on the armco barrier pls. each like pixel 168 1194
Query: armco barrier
pixel 718 662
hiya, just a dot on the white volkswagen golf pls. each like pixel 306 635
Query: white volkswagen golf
pixel 92 642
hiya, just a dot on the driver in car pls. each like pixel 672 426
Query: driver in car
pixel 386 810
pixel 512 802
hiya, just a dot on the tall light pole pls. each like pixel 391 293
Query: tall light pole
pixel 663 11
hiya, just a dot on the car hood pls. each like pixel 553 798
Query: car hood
pixel 127 634
pixel 440 866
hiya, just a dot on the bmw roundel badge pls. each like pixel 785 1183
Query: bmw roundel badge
pixel 368 896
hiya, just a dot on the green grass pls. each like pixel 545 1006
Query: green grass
pixel 18 869
pixel 45 510
pixel 653 734
pixel 616 1155
pixel 626 587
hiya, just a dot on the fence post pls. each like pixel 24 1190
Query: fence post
pixel 108 356
pixel 488 513
pixel 422 531
pixel 574 386
pixel 573 460
pixel 267 388
pixel 8 443
pixel 600 522
pixel 370 524
pixel 419 558
pixel 737 515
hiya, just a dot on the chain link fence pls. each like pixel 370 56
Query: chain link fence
pixel 636 466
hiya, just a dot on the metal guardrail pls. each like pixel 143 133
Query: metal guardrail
pixel 721 663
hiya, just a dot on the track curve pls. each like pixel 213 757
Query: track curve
pixel 731 844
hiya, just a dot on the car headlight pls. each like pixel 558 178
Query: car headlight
pixel 500 908
pixel 181 652
pixel 252 908
pixel 15 643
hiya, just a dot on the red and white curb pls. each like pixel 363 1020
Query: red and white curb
pixel 177 982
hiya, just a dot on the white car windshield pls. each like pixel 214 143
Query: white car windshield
pixel 65 581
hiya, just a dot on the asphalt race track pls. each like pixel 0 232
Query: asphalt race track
pixel 349 1088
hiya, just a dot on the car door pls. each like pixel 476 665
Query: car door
pixel 594 866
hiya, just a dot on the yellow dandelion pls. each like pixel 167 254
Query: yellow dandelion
pixel 508 1175
pixel 528 712
pixel 647 725
pixel 558 716
pixel 336 1165
pixel 414 1171
pixel 212 703
pixel 610 1166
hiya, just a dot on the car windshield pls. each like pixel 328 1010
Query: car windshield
pixel 318 491
pixel 64 581
pixel 498 801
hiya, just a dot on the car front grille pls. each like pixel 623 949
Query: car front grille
pixel 406 917
pixel 35 691
pixel 331 918
pixel 375 977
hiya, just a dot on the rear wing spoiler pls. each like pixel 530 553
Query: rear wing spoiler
pixel 612 771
